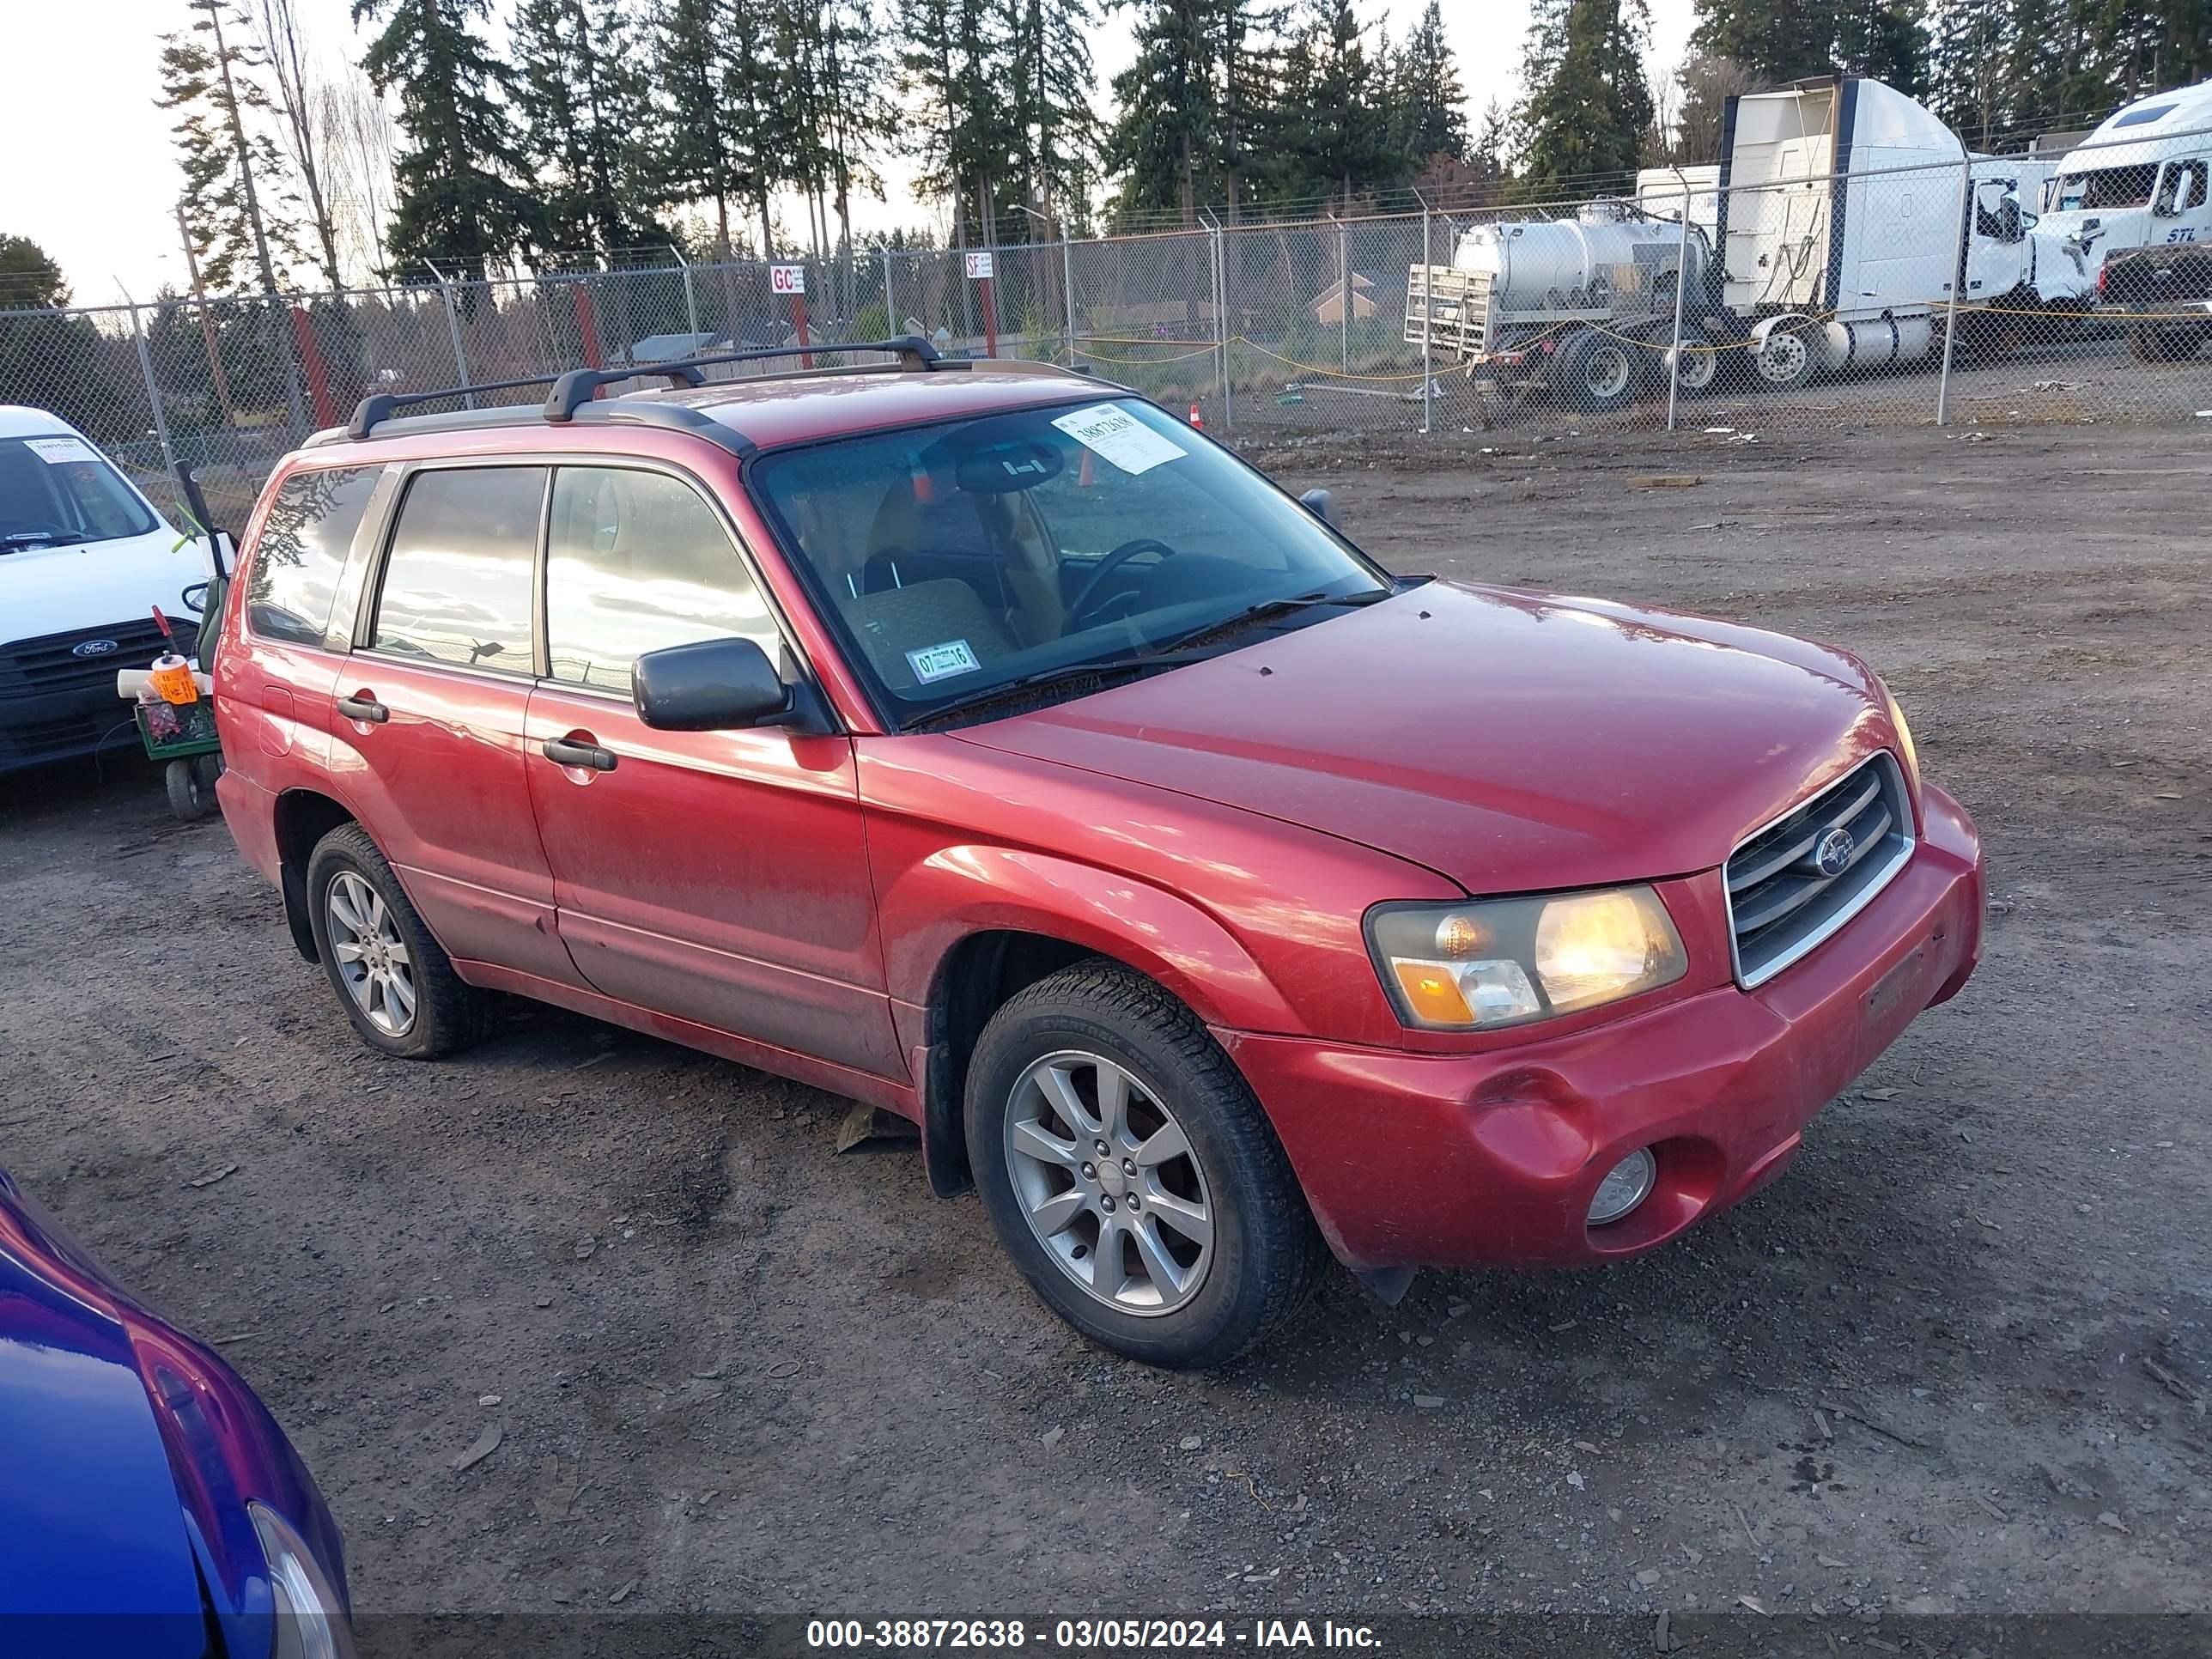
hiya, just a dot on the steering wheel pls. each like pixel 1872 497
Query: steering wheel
pixel 1078 608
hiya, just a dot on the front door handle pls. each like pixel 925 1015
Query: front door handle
pixel 364 707
pixel 579 752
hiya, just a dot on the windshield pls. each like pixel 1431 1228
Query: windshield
pixel 961 557
pixel 58 491
pixel 2107 187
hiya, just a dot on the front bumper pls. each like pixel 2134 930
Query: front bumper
pixel 1491 1159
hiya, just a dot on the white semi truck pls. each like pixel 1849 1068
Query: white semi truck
pixel 2139 180
pixel 1833 245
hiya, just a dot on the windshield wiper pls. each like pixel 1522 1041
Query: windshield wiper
pixel 1024 688
pixel 1267 609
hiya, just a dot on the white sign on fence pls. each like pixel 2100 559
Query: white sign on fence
pixel 979 267
pixel 787 279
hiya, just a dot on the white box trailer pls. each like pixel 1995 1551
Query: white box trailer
pixel 1827 239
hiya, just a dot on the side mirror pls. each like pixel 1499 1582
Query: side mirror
pixel 1321 503
pixel 715 685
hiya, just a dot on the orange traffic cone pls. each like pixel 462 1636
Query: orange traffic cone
pixel 1197 420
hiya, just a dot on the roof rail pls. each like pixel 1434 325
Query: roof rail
pixel 379 407
pixel 572 391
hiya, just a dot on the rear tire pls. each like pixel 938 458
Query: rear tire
pixel 1188 1240
pixel 393 980
pixel 1598 372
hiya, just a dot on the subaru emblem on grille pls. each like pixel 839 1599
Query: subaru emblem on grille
pixel 92 648
pixel 1833 855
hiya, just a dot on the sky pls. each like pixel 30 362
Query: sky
pixel 91 177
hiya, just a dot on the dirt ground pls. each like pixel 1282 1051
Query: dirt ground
pixel 733 1370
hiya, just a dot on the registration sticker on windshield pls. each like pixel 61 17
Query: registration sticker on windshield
pixel 942 662
pixel 60 451
pixel 1120 437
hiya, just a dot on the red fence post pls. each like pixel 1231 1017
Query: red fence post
pixel 798 326
pixel 587 329
pixel 310 359
pixel 990 318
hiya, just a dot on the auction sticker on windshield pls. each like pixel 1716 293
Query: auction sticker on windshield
pixel 1119 437
pixel 60 451
pixel 939 662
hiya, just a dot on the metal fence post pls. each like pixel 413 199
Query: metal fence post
pixel 152 391
pixel 1067 291
pixel 1958 281
pixel 1428 383
pixel 890 306
pixel 690 297
pixel 1343 296
pixel 1218 259
pixel 453 333
pixel 1681 281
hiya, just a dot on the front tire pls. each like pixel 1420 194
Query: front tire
pixel 392 980
pixel 1188 1239
pixel 1598 372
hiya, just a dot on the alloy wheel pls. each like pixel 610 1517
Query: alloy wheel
pixel 1109 1182
pixel 372 957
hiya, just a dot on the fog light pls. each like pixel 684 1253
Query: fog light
pixel 1626 1186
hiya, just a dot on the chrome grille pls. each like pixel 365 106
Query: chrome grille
pixel 1783 901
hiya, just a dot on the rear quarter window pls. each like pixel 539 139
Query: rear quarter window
pixel 302 551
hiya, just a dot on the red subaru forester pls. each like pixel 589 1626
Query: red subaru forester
pixel 978 741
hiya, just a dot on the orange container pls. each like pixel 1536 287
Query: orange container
pixel 172 676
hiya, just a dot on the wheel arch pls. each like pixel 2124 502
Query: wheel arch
pixel 303 817
pixel 959 945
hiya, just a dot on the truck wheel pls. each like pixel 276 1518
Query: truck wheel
pixel 1598 372
pixel 2163 345
pixel 1131 1175
pixel 1782 360
pixel 1697 370
pixel 395 983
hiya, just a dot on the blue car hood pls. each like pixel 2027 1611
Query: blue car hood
pixel 89 1516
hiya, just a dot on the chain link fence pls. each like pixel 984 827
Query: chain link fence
pixel 1956 290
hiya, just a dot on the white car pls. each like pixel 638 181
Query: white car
pixel 84 558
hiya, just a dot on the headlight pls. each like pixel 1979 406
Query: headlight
pixel 1501 962
pixel 1903 738
pixel 310 1619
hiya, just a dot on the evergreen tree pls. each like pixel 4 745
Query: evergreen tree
pixel 958 67
pixel 457 201
pixel 1707 83
pixel 1168 139
pixel 1431 103
pixel 716 135
pixel 234 205
pixel 29 278
pixel 1885 39
pixel 1588 105
pixel 580 97
pixel 1334 122
pixel 1968 46
pixel 299 98
pixel 1785 40
pixel 1058 132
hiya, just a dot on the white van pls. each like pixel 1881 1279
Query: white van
pixel 84 558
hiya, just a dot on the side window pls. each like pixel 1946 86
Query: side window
pixel 457 582
pixel 636 561
pixel 302 549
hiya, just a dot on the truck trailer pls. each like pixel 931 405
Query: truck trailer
pixel 1833 245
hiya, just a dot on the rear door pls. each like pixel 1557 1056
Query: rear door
pixel 720 876
pixel 427 716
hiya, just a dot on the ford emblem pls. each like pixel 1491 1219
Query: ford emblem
pixel 92 648
pixel 1833 855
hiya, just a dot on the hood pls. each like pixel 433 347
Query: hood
pixel 57 590
pixel 87 1505
pixel 1512 742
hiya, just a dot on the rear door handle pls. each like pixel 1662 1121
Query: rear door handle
pixel 364 707
pixel 568 751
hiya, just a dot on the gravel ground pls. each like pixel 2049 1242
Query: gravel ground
pixel 1958 1358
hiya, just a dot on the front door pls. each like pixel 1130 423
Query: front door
pixel 427 716
pixel 720 876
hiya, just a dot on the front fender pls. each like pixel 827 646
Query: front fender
pixel 930 906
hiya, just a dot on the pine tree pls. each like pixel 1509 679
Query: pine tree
pixel 1178 127
pixel 1335 120
pixel 1785 40
pixel 1587 107
pixel 235 207
pixel 1058 130
pixel 957 66
pixel 581 97
pixel 457 201
pixel 1885 39
pixel 29 278
pixel 1969 44
pixel 1431 103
